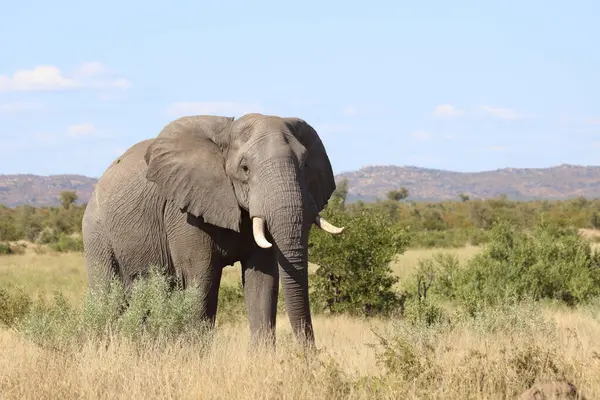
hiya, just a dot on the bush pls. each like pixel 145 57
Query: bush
pixel 419 312
pixel 354 274
pixel 547 263
pixel 53 326
pixel 5 249
pixel 156 311
pixel 67 243
pixel 47 236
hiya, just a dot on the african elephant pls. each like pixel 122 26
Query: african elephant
pixel 197 197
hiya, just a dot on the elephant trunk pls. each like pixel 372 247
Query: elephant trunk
pixel 288 211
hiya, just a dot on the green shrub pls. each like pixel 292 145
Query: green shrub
pixel 103 306
pixel 155 311
pixel 47 236
pixel 8 230
pixel 67 243
pixel 547 263
pixel 53 326
pixel 422 303
pixel 424 312
pixel 5 249
pixel 354 275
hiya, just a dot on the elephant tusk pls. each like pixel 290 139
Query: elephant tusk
pixel 258 230
pixel 327 226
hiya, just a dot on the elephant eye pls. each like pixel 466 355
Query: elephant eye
pixel 245 168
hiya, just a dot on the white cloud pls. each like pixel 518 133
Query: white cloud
pixel 421 136
pixel 43 77
pixel 91 75
pixel 225 108
pixel 79 130
pixel 18 107
pixel 447 110
pixel 502 113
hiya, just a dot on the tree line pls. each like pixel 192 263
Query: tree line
pixel 59 227
pixel 431 224
pixel 469 221
pixel 533 252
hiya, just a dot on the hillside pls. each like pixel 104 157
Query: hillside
pixel 560 182
pixel 39 190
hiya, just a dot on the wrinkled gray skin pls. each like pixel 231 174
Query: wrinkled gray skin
pixel 187 198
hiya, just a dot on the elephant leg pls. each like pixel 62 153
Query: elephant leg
pixel 260 278
pixel 206 277
pixel 209 281
pixel 195 259
pixel 100 260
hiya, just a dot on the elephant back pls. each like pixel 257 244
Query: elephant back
pixel 205 126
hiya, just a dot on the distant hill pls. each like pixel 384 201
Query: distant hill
pixel 368 183
pixel 559 182
pixel 38 190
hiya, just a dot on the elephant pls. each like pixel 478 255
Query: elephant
pixel 198 197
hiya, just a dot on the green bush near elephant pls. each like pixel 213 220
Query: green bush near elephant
pixel 354 274
pixel 153 313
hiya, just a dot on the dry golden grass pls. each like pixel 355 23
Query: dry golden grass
pixel 462 363
pixel 465 361
pixel 179 370
pixel 42 273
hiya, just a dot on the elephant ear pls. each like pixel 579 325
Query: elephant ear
pixel 318 171
pixel 188 167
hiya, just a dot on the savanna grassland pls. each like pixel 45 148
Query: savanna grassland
pixel 494 299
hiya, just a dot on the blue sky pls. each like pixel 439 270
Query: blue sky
pixel 465 86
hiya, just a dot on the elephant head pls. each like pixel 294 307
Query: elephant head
pixel 276 169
